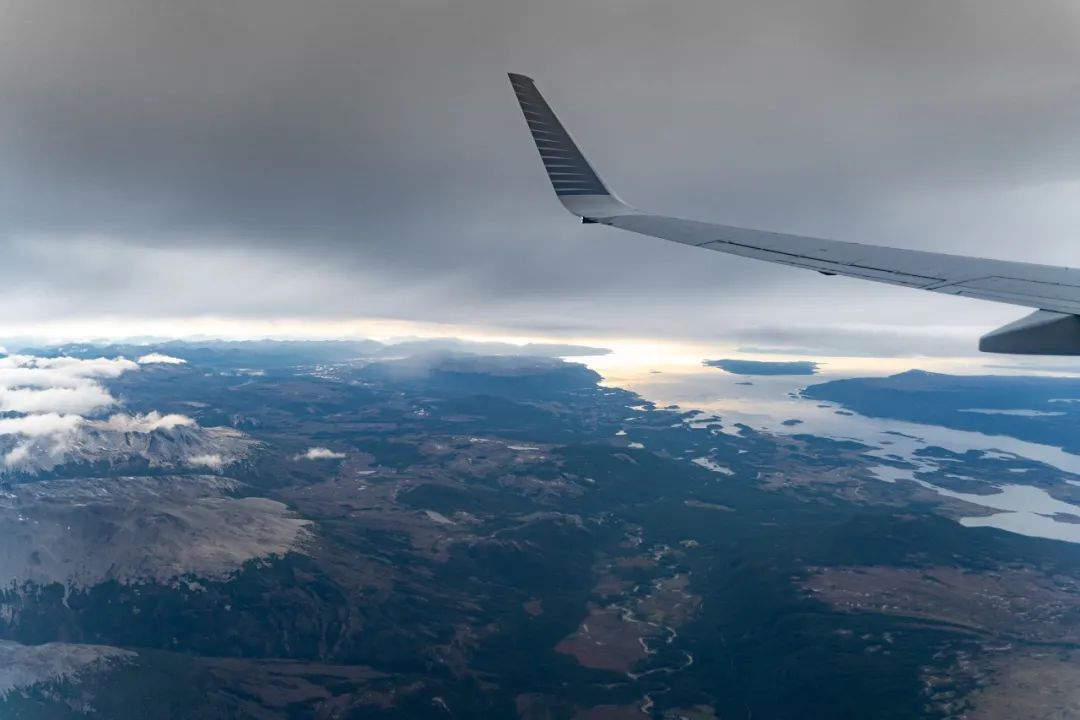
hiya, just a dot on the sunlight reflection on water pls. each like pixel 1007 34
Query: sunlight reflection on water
pixel 765 402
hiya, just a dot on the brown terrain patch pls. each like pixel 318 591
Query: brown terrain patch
pixel 457 653
pixel 670 602
pixel 641 562
pixel 850 477
pixel 270 687
pixel 605 641
pixel 623 624
pixel 531 706
pixel 610 585
pixel 1018 604
pixel 482 456
pixel 371 502
pixel 1035 686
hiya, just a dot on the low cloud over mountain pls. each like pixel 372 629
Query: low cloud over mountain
pixel 56 411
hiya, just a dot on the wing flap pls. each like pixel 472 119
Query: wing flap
pixel 1019 290
pixel 1037 286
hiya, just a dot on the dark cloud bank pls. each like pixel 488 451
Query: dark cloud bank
pixel 342 159
pixel 757 367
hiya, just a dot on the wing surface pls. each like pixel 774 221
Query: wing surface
pixel 1055 291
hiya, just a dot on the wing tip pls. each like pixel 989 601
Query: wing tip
pixel 575 182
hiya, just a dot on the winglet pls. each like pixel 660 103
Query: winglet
pixel 576 184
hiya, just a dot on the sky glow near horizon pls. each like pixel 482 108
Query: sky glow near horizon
pixel 265 169
pixel 632 361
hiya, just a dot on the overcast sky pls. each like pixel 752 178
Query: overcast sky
pixel 335 160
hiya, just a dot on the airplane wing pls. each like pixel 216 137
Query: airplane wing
pixel 1054 292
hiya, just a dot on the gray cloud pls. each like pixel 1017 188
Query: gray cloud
pixel 340 158
pixel 1063 367
pixel 823 341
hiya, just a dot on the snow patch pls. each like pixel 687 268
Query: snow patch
pixel 438 517
pixel 710 465
pixel 23 666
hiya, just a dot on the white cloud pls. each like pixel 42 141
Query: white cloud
pixel 18 454
pixel 47 434
pixel 143 423
pixel 160 359
pixel 55 411
pixel 320 453
pixel 63 385
pixel 52 434
pixel 212 461
pixel 76 367
pixel 53 398
pixel 29 371
pixel 39 425
pixel 80 400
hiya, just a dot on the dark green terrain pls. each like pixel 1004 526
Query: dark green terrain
pixel 484 511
